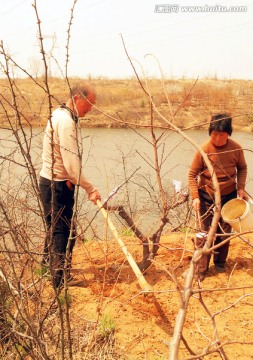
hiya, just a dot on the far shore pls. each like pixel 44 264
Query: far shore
pixel 121 103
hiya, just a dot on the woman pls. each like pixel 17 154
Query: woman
pixel 227 159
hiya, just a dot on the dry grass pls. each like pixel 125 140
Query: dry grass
pixel 125 100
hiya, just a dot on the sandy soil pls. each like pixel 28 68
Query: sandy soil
pixel 145 324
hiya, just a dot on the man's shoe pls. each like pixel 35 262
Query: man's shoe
pixel 74 282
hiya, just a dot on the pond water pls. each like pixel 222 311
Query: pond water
pixel 113 149
pixel 125 158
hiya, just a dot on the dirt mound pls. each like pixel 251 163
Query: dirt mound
pixel 144 324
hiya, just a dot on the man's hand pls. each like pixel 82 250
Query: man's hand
pixel 242 195
pixel 196 204
pixel 94 196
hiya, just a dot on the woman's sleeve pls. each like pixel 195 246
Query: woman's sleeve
pixel 195 169
pixel 241 170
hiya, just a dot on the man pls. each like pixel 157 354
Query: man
pixel 61 172
pixel 229 164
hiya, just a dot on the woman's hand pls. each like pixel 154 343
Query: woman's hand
pixel 196 204
pixel 242 195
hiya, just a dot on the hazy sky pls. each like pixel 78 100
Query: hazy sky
pixel 183 43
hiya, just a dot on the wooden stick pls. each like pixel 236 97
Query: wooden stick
pixel 197 220
pixel 145 286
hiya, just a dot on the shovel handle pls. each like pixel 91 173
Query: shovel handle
pixel 145 286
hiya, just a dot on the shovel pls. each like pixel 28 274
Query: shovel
pixel 145 286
